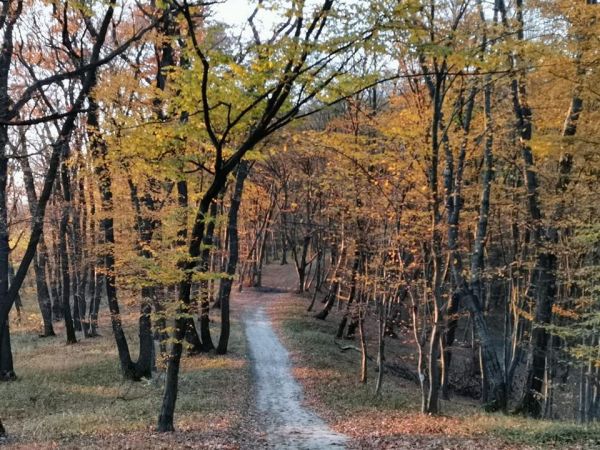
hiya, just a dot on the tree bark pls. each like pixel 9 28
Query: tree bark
pixel 7 370
pixel 191 334
pixel 39 262
pixel 165 420
pixel 63 249
pixel 100 153
pixel 205 337
pixel 232 238
pixel 543 287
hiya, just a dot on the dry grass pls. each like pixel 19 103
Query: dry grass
pixel 74 397
pixel 331 383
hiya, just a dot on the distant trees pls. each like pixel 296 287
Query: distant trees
pixel 458 192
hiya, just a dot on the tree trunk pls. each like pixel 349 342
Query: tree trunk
pixel 232 238
pixel 96 282
pixel 165 420
pixel 6 359
pixel 205 337
pixel 334 286
pixel 7 371
pixel 145 362
pixel 355 268
pixel 543 288
pixel 64 252
pixel 99 152
pixel 191 334
pixel 54 275
pixel 381 345
pixel 363 349
pixel 39 262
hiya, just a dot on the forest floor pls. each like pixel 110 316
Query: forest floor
pixel 257 396
pixel 73 397
pixel 330 378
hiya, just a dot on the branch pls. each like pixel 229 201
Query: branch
pixel 94 64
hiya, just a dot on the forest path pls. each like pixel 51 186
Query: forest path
pixel 289 425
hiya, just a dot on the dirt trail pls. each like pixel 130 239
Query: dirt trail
pixel 289 425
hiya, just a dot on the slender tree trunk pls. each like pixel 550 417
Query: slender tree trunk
pixel 363 348
pixel 232 237
pixel 96 282
pixel 433 353
pixel 191 334
pixel 7 370
pixel 81 237
pixel 54 275
pixel 99 152
pixel 39 262
pixel 6 358
pixel 205 337
pixel 355 268
pixel 381 345
pixel 449 336
pixel 165 420
pixel 64 251
pixel 145 362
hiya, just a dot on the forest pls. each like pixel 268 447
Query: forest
pixel 299 224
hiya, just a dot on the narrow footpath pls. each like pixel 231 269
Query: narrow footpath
pixel 288 424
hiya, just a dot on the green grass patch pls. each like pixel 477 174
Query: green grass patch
pixel 520 430
pixel 340 388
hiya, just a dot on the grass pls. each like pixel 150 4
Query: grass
pixel 330 378
pixel 70 395
pixel 74 397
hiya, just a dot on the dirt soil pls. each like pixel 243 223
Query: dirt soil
pixel 289 424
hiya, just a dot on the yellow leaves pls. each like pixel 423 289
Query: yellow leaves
pixel 523 313
pixel 237 70
pixel 406 124
pixel 566 313
pixel 546 146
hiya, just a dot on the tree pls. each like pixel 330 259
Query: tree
pixel 281 90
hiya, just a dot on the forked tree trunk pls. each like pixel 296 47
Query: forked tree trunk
pixel 543 287
pixel 232 238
